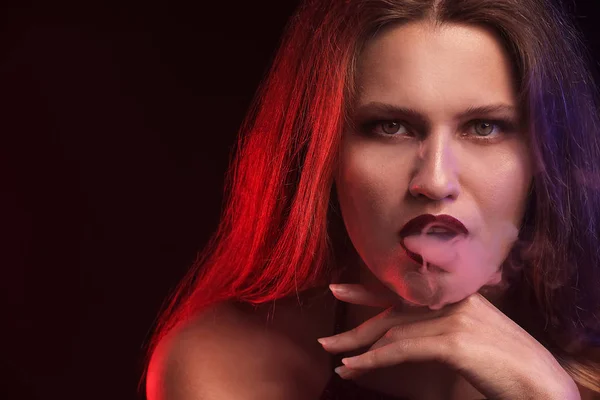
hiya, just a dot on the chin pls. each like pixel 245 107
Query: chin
pixel 421 295
pixel 438 297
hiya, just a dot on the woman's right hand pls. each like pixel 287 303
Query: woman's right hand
pixel 499 358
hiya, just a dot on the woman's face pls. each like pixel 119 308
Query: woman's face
pixel 421 143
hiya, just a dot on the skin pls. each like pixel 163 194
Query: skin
pixel 490 352
pixel 437 165
pixel 381 185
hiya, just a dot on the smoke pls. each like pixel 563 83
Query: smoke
pixel 478 262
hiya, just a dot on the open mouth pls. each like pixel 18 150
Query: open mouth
pixel 441 233
pixel 441 227
pixel 444 226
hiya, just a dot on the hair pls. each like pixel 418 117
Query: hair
pixel 277 234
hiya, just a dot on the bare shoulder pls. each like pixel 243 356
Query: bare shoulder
pixel 230 352
pixel 217 355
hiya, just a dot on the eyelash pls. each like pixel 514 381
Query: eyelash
pixel 503 125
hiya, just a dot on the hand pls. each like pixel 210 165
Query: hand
pixel 496 356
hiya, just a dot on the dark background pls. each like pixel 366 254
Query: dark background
pixel 116 122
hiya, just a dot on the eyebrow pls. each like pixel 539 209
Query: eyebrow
pixel 390 110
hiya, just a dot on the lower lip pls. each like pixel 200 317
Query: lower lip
pixel 415 257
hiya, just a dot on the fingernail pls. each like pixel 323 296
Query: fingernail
pixel 338 289
pixel 348 361
pixel 326 341
pixel 342 371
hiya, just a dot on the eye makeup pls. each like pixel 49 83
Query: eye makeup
pixel 373 128
pixel 370 120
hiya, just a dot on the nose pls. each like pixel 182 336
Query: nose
pixel 436 172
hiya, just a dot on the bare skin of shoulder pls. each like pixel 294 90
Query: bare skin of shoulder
pixel 244 352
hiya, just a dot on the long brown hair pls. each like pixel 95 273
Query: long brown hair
pixel 275 237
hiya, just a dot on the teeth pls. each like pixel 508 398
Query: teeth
pixel 438 229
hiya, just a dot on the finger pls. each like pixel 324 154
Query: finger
pixel 373 330
pixel 359 294
pixel 432 327
pixel 363 335
pixel 430 348
pixel 424 328
pixel 347 373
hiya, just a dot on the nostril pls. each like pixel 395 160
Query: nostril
pixel 435 191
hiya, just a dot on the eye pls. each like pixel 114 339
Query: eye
pixel 390 127
pixel 484 128
pixel 490 129
pixel 480 129
pixel 386 128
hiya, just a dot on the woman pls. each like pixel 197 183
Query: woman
pixel 437 159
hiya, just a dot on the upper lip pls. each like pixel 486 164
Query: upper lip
pixel 416 225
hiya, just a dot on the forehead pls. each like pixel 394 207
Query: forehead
pixel 438 70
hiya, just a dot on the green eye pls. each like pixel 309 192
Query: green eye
pixel 484 128
pixel 479 129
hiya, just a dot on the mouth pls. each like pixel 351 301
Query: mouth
pixel 443 227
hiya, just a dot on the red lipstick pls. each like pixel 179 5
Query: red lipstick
pixel 416 225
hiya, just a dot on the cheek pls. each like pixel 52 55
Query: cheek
pixel 501 186
pixel 370 183
pixel 370 190
pixel 501 193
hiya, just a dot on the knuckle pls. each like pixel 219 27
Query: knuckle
pixel 460 321
pixel 372 358
pixel 455 343
pixel 472 301
pixel 395 332
pixel 361 335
